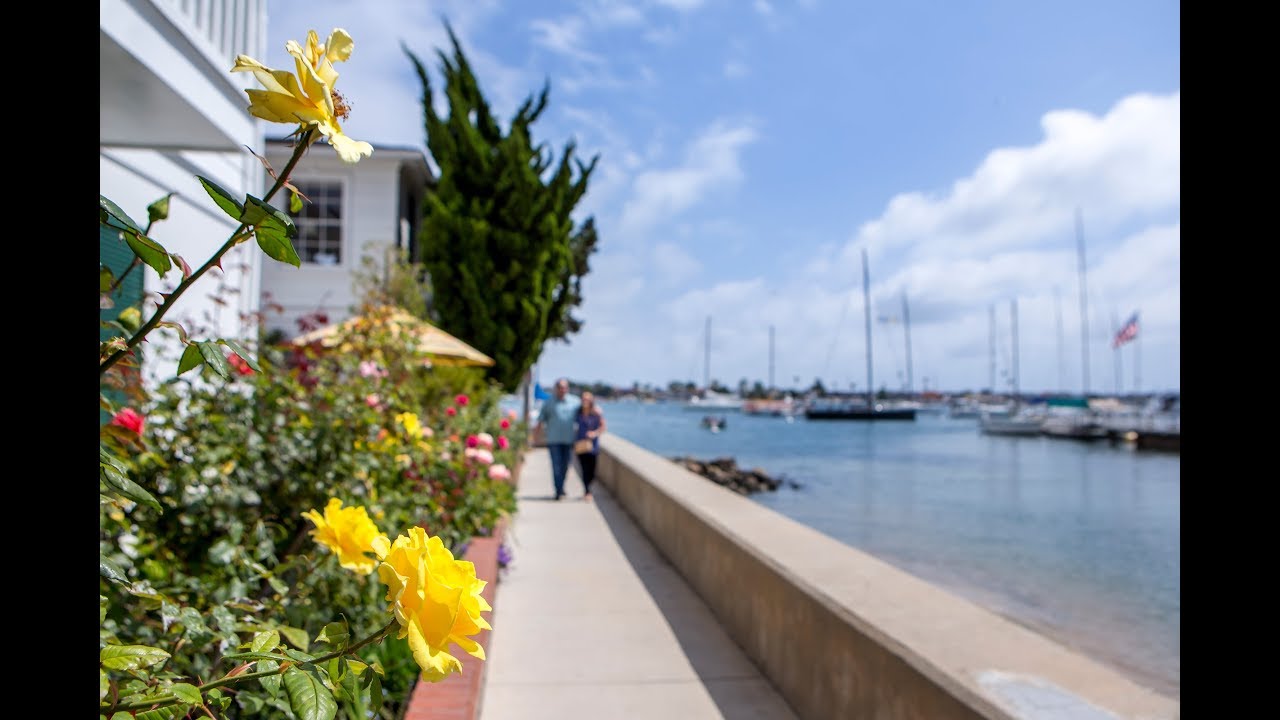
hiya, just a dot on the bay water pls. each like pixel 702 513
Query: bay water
pixel 1077 540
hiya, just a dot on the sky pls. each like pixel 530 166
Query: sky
pixel 751 151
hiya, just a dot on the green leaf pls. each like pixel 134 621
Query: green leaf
pixel 110 214
pixel 296 637
pixel 104 684
pixel 159 210
pixel 244 354
pixel 276 245
pixel 298 655
pixel 131 657
pixel 255 655
pixel 274 230
pixel 229 205
pixel 105 278
pixel 151 252
pixel 130 319
pixel 108 569
pixel 265 641
pixel 165 713
pixel 270 683
pixel 335 633
pixel 214 358
pixel 375 694
pixel 274 217
pixel 122 715
pixel 295 203
pixel 123 486
pixel 308 697
pixel 350 684
pixel 187 693
pixel 190 358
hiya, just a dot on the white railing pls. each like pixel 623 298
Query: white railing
pixel 221 29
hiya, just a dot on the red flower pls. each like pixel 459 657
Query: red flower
pixel 504 424
pixel 472 441
pixel 450 411
pixel 462 399
pixel 129 419
pixel 503 442
pixel 239 364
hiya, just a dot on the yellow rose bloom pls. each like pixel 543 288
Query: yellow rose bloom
pixel 349 533
pixel 307 98
pixel 412 426
pixel 436 600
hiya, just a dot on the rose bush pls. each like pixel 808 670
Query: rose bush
pixel 241 501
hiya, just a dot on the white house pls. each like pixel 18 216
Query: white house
pixel 369 208
pixel 170 110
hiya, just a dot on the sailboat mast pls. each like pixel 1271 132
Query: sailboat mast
pixel 1062 358
pixel 770 358
pixel 906 324
pixel 992 350
pixel 1084 304
pixel 1013 322
pixel 866 307
pixel 706 366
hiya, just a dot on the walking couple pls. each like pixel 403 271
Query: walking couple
pixel 572 426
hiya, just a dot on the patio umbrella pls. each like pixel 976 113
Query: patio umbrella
pixel 420 335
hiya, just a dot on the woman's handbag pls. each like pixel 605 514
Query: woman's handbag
pixel 584 446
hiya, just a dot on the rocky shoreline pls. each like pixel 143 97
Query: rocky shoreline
pixel 725 471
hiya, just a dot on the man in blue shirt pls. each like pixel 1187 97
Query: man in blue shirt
pixel 558 417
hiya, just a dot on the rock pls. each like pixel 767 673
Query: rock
pixel 725 471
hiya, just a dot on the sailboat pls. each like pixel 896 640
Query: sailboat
pixel 856 410
pixel 1013 420
pixel 711 399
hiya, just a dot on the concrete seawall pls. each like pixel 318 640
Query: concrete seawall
pixel 842 634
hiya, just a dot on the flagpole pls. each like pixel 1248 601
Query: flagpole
pixel 1136 361
pixel 1115 324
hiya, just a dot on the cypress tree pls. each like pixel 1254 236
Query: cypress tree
pixel 497 239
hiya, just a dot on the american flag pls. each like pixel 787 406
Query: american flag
pixel 1127 332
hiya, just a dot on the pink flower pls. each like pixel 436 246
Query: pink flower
pixel 445 456
pixel 239 364
pixel 462 400
pixel 504 424
pixel 470 453
pixel 503 442
pixel 129 419
pixel 485 439
pixel 372 400
pixel 472 441
pixel 484 456
pixel 511 414
pixel 450 411
pixel 499 472
pixel 369 368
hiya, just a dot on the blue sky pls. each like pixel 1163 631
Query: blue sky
pixel 750 150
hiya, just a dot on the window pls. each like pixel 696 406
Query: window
pixel 320 223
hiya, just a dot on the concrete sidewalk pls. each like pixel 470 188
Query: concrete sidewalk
pixel 591 622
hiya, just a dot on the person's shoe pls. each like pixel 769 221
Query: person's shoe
pixel 558 496
pixel 587 497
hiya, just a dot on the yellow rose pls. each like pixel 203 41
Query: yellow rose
pixel 436 600
pixel 349 533
pixel 307 98
pixel 412 426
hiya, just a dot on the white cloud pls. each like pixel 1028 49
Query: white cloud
pixel 565 37
pixel 1123 165
pixel 711 162
pixel 735 69
pixel 763 7
pixel 674 266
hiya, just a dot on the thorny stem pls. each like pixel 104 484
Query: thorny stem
pixel 160 701
pixel 241 233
